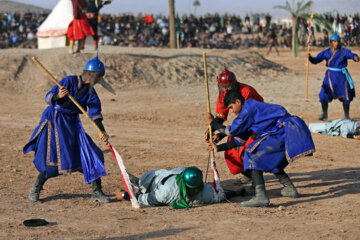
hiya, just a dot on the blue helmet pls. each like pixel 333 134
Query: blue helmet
pixel 335 37
pixel 95 65
pixel 193 177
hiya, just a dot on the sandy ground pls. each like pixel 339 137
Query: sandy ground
pixel 157 121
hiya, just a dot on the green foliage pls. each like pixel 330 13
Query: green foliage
pixel 302 9
pixel 196 3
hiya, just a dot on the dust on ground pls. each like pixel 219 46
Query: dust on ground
pixel 157 121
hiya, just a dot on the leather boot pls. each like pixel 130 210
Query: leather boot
pixel 289 189
pixel 260 199
pixel 246 178
pixel 34 192
pixel 98 194
pixel 346 108
pixel 324 115
pixel 134 180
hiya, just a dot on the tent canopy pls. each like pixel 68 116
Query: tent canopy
pixel 57 22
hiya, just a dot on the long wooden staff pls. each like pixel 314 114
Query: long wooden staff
pixel 307 61
pixel 218 189
pixel 208 101
pixel 124 175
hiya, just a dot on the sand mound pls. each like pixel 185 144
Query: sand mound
pixel 128 68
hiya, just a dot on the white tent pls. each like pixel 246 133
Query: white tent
pixel 52 32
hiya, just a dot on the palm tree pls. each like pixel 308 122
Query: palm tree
pixel 172 24
pixel 196 4
pixel 298 10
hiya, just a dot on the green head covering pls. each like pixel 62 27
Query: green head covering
pixel 191 177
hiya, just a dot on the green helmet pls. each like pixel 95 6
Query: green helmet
pixel 193 177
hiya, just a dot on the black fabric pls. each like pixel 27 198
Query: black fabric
pixel 218 120
pixel 215 125
pixel 350 135
pixel 312 60
pixel 98 123
pixel 226 146
pixel 55 97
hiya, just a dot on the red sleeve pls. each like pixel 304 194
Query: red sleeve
pixel 221 112
pixel 249 92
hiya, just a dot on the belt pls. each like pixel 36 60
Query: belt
pixel 91 15
pixel 279 124
pixel 346 73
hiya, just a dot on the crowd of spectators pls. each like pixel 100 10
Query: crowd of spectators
pixel 19 30
pixel 209 31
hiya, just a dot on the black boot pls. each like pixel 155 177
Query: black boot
pixel 346 108
pixel 246 178
pixel 289 189
pixel 134 180
pixel 34 192
pixel 260 199
pixel 97 194
pixel 324 115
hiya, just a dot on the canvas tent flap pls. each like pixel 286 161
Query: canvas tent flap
pixel 57 22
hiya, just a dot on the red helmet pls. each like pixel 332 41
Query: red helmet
pixel 226 77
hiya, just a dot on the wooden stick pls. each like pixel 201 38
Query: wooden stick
pixel 71 98
pixel 208 100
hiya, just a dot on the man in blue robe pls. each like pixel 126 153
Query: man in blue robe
pixel 337 82
pixel 281 138
pixel 60 142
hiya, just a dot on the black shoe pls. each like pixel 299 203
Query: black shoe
pixel 324 115
pixel 34 192
pixel 97 194
pixel 126 196
pixel 289 189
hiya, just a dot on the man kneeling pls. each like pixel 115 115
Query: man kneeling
pixel 281 138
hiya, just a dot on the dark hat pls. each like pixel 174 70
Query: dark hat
pixel 35 222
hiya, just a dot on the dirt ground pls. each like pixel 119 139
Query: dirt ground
pixel 157 121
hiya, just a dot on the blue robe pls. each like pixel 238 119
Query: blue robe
pixel 60 142
pixel 336 84
pixel 281 139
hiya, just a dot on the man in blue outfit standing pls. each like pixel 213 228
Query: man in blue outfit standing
pixel 337 81
pixel 60 142
pixel 281 138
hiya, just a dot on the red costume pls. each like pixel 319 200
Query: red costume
pixel 234 157
pixel 79 28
